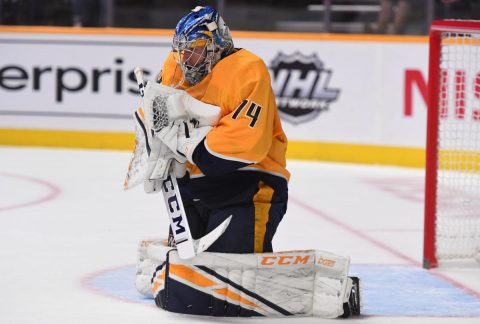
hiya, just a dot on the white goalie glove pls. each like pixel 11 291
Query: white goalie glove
pixel 164 105
pixel 151 158
pixel 189 136
pixel 165 109
pixel 161 161
pixel 164 157
pixel 171 148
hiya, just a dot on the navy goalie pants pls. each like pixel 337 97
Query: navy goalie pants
pixel 257 202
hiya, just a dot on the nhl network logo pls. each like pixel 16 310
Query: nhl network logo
pixel 300 84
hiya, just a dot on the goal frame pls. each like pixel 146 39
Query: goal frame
pixel 438 26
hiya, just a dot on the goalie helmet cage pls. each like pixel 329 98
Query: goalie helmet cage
pixel 452 182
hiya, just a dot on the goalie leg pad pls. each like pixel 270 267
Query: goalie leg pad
pixel 151 260
pixel 353 306
pixel 299 283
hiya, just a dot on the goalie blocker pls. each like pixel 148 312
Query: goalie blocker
pixel 291 283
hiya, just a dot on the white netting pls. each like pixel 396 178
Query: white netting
pixel 160 112
pixel 458 178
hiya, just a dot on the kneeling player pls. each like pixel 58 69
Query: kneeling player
pixel 236 167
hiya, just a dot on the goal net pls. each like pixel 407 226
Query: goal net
pixel 452 193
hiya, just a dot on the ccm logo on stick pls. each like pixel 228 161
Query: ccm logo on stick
pixel 173 206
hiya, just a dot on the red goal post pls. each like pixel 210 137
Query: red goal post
pixel 452 183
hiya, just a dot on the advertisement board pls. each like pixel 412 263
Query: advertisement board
pixel 330 89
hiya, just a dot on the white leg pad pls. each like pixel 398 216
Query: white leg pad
pixel 150 255
pixel 301 283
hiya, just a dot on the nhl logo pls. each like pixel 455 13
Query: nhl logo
pixel 300 84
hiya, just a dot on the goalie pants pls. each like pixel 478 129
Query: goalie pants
pixel 256 200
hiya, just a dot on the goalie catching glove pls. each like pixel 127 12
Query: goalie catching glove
pixel 160 142
pixel 164 105
pixel 152 159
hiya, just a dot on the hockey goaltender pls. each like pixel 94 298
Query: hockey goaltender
pixel 209 138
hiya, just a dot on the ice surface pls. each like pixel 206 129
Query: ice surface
pixel 69 233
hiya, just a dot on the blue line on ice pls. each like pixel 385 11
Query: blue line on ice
pixel 387 291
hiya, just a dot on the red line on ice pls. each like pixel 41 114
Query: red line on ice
pixel 53 191
pixel 379 244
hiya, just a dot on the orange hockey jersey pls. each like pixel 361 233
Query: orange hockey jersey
pixel 249 132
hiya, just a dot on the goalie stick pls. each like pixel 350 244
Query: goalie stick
pixel 186 245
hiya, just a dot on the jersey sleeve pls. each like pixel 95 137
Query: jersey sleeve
pixel 243 135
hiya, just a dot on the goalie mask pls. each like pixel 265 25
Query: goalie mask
pixel 201 40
